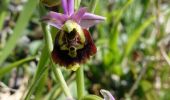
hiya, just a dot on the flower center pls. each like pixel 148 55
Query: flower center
pixel 71 38
pixel 72 52
pixel 70 25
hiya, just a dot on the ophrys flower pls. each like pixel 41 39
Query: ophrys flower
pixel 73 43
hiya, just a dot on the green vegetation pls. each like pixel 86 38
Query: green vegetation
pixel 132 60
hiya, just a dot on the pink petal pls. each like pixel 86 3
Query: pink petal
pixel 79 14
pixel 68 7
pixel 55 19
pixel 65 7
pixel 107 95
pixel 89 20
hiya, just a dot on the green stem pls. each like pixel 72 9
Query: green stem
pixel 80 82
pixel 48 40
pixel 60 78
pixel 56 70
pixel 79 72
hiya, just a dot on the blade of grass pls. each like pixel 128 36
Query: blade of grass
pixel 136 34
pixel 118 17
pixel 3 12
pixel 4 5
pixel 93 5
pixel 2 18
pixel 42 62
pixel 77 4
pixel 8 68
pixel 19 28
pixel 119 13
pixel 113 42
pixel 91 97
pixel 33 87
pixel 41 66
pixel 40 87
pixel 55 90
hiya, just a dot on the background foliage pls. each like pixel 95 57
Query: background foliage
pixel 132 61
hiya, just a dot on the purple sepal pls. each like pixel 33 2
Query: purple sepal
pixel 89 20
pixel 55 19
pixel 81 17
pixel 107 95
pixel 79 14
pixel 68 7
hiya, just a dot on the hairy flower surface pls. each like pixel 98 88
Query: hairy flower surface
pixel 73 43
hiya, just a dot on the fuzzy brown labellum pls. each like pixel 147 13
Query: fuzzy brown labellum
pixel 69 49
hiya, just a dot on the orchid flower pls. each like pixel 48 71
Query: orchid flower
pixel 73 43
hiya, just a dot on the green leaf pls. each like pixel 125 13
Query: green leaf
pixel 93 5
pixel 8 68
pixel 148 88
pixel 136 35
pixel 41 66
pixel 36 83
pixel 3 11
pixel 19 28
pixel 118 14
pixel 91 97
pixel 53 93
pixel 40 87
pixel 77 4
